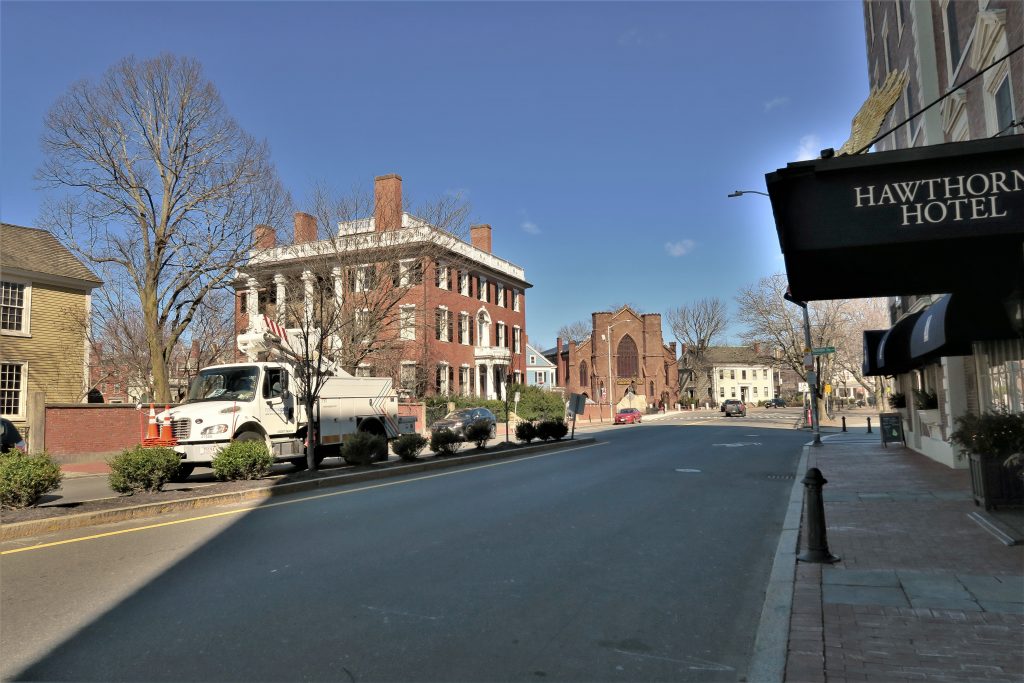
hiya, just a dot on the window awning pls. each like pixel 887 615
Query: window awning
pixel 893 356
pixel 951 324
pixel 872 340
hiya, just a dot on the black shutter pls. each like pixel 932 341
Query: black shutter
pixel 451 327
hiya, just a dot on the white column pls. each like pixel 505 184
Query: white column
pixel 308 282
pixel 282 303
pixel 252 303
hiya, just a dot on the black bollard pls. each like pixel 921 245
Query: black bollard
pixel 817 539
pixel 844 423
pixel 869 425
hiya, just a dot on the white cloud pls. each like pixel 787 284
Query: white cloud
pixel 679 248
pixel 775 102
pixel 530 227
pixel 810 148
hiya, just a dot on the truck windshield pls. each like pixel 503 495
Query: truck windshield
pixel 225 384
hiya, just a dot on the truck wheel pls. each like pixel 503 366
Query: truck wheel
pixel 300 464
pixel 375 428
pixel 182 473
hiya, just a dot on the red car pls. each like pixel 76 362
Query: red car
pixel 627 416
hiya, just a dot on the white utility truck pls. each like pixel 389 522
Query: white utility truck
pixel 257 401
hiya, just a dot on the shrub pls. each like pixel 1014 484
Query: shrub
pixel 143 469
pixel 925 400
pixel 898 400
pixel 445 442
pixel 408 446
pixel 25 478
pixel 361 448
pixel 243 460
pixel 552 429
pixel 479 433
pixel 526 431
pixel 990 435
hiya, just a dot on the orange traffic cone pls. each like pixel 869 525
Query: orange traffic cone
pixel 152 432
pixel 165 429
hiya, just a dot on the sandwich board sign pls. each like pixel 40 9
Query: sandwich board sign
pixel 891 428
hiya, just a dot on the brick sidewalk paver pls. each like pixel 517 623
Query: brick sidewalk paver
pixel 921 592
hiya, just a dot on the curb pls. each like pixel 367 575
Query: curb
pixel 9 532
pixel 768 661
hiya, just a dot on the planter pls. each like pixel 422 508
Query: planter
pixel 929 417
pixel 993 485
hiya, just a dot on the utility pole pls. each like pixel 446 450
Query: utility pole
pixel 815 423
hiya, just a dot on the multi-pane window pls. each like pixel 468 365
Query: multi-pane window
pixel 441 276
pixel 515 300
pixel 755 391
pixel 464 283
pixel 361 319
pixel 482 289
pixel 364 278
pixel 12 306
pixel 500 335
pixel 743 374
pixel 464 375
pixel 721 391
pixel 732 374
pixel 765 391
pixel 407 378
pixel 628 358
pixel 500 298
pixel 11 389
pixel 516 333
pixel 442 325
pixel 463 328
pixel 1004 108
pixel 410 273
pixel 733 390
pixel 364 370
pixel 441 378
pixel 764 374
pixel 407 319
pixel 721 374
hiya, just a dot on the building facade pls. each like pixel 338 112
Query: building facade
pixel 737 372
pixel 624 361
pixel 45 309
pixel 940 45
pixel 540 372
pixel 439 314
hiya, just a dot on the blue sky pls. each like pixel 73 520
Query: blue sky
pixel 598 139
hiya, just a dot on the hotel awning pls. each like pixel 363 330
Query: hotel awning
pixel 951 324
pixel 911 221
pixel 893 357
pixel 872 340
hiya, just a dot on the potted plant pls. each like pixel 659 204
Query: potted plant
pixel 927 404
pixel 994 443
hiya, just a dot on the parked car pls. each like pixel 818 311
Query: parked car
pixel 775 403
pixel 735 407
pixel 457 420
pixel 628 416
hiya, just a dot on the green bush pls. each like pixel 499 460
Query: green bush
pixel 479 433
pixel 362 447
pixel 243 460
pixel 25 478
pixel 143 469
pixel 445 442
pixel 408 446
pixel 526 431
pixel 925 400
pixel 997 435
pixel 898 400
pixel 537 404
pixel 552 429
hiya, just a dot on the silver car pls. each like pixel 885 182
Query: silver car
pixel 457 420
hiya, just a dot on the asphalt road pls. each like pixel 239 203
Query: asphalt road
pixel 644 557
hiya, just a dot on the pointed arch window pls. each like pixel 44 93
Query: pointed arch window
pixel 628 358
pixel 584 375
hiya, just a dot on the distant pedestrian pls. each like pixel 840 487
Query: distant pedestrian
pixel 10 437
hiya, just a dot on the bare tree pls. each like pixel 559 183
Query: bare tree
pixel 698 327
pixel 777 326
pixel 575 332
pixel 153 177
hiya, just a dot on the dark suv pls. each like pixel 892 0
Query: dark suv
pixel 457 421
pixel 734 407
pixel 775 403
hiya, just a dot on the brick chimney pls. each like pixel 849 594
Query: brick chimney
pixel 387 202
pixel 264 237
pixel 481 237
pixel 757 349
pixel 305 228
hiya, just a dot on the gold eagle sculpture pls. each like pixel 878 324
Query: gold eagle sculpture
pixel 868 121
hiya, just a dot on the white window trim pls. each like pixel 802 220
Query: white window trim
pixel 26 317
pixel 515 300
pixel 464 283
pixel 361 279
pixel 483 289
pixel 442 279
pixel 517 339
pixel 23 391
pixel 499 294
pixel 445 317
pixel 407 309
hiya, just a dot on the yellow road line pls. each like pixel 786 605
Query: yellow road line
pixel 292 502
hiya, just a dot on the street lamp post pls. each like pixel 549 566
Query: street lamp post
pixel 740 193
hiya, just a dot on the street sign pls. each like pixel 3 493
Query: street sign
pixel 808 362
pixel 802 387
pixel 577 403
pixel 828 388
pixel 823 350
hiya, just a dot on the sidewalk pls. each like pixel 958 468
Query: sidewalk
pixel 922 591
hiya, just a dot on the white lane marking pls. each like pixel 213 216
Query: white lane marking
pixel 740 444
pixel 692 663
pixel 399 613
pixel 686 469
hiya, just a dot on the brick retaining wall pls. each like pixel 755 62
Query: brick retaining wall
pixel 81 432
